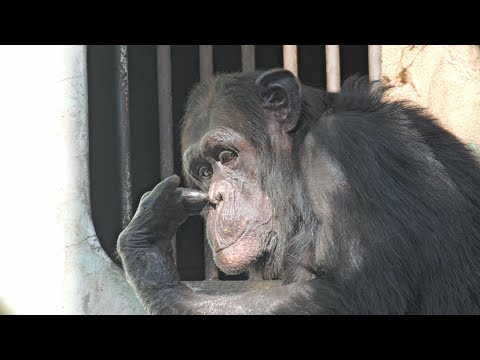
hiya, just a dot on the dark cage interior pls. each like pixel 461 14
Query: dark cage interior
pixel 144 128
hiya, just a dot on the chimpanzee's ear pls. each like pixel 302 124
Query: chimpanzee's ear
pixel 279 90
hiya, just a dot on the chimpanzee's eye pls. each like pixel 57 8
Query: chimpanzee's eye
pixel 227 156
pixel 205 172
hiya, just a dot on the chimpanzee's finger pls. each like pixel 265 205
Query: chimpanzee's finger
pixel 194 200
pixel 161 191
pixel 144 196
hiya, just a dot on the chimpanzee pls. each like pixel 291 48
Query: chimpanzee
pixel 359 204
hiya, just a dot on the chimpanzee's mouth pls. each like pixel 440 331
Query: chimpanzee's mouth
pixel 217 247
pixel 226 247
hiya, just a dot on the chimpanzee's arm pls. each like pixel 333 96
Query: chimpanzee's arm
pixel 145 249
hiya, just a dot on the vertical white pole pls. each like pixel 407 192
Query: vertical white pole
pixel 332 53
pixel 375 62
pixel 290 58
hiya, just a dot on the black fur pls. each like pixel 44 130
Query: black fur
pixel 412 204
pixel 383 219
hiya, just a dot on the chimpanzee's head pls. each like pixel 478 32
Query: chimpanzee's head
pixel 237 146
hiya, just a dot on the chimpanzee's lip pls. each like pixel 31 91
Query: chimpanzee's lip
pixel 230 244
pixel 226 247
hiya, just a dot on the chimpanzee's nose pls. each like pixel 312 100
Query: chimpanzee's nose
pixel 217 193
pixel 217 198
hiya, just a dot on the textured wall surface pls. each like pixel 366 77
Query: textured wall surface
pixel 443 78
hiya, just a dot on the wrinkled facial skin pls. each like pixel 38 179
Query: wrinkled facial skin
pixel 240 219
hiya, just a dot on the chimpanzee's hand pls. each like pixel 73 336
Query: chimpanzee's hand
pixel 160 212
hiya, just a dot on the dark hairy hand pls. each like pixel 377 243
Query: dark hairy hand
pixel 160 212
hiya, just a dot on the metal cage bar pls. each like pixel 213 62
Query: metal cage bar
pixel 165 119
pixel 206 62
pixel 374 62
pixel 248 58
pixel 206 71
pixel 332 55
pixel 164 78
pixel 290 58
pixel 123 131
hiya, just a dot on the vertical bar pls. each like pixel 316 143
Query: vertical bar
pixel 123 133
pixel 164 80
pixel 248 58
pixel 206 71
pixel 206 62
pixel 332 54
pixel 290 58
pixel 375 62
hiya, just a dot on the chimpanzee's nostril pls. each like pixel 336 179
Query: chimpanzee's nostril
pixel 215 201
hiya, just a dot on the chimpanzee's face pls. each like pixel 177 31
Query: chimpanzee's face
pixel 220 158
pixel 240 219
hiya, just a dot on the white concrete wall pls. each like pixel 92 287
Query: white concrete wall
pixel 50 258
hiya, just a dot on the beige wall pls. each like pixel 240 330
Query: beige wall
pixel 443 78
